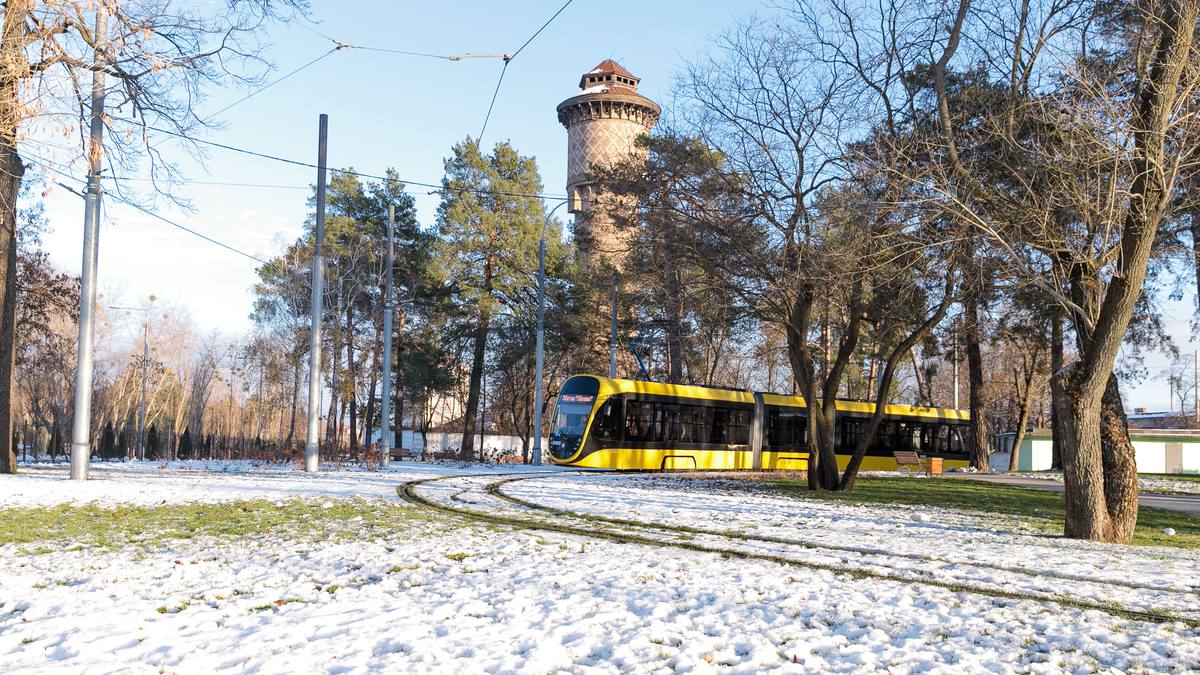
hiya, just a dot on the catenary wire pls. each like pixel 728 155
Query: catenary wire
pixel 495 93
pixel 190 230
pixel 152 214
pixel 508 60
pixel 347 45
pixel 267 86
pixel 539 31
pixel 262 155
pixel 310 165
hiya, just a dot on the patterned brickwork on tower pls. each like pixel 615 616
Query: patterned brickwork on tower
pixel 603 123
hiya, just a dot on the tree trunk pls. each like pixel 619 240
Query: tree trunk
pixel 922 399
pixel 352 393
pixel 467 448
pixel 1099 472
pixel 369 422
pixel 1056 366
pixel 398 383
pixel 1023 410
pixel 1195 228
pixel 331 422
pixel 11 170
pixel 980 446
pixel 822 463
pixel 890 365
pixel 14 67
pixel 674 324
pixel 291 434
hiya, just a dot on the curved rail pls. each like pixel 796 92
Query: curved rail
pixel 588 528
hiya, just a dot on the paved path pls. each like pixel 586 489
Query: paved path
pixel 1185 503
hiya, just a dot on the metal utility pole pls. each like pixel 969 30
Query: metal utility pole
pixel 81 428
pixel 612 339
pixel 1196 381
pixel 312 450
pixel 385 403
pixel 541 331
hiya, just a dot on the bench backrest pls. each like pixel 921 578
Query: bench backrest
pixel 907 457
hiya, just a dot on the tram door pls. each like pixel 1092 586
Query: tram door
pixel 757 427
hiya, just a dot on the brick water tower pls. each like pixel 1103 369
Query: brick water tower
pixel 603 123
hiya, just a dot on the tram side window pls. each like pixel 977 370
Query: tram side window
pixel 694 422
pixel 787 429
pixel 730 427
pixel 885 436
pixel 607 425
pixel 956 440
pixel 850 431
pixel 941 438
pixel 908 436
pixel 639 421
pixel 739 427
pixel 666 422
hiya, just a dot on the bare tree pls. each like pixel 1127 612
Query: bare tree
pixel 159 57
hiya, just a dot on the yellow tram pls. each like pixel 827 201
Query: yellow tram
pixel 601 422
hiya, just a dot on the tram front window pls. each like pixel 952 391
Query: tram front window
pixel 566 431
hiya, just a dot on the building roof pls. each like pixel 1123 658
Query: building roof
pixel 610 66
pixel 609 73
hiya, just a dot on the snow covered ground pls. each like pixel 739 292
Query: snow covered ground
pixel 1146 483
pixel 438 593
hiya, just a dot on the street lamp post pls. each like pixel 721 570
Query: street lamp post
pixel 541 329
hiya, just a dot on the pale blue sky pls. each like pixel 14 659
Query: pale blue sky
pixel 388 110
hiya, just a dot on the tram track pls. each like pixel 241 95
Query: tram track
pixel 496 489
pixel 525 514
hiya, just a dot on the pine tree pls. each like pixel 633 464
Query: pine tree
pixel 185 444
pixel 152 443
pixel 108 442
pixel 490 223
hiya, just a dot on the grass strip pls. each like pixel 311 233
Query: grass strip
pixel 91 525
pixel 1043 506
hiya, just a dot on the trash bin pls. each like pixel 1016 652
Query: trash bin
pixel 935 466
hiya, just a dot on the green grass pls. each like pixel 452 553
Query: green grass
pixel 1191 477
pixel 1041 508
pixel 307 520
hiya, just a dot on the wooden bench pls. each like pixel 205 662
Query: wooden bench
pixel 909 460
pixel 397 454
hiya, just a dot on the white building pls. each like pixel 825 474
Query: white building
pixel 1158 451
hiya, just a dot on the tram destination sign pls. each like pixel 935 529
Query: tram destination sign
pixel 577 398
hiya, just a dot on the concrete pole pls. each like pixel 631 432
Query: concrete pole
pixel 541 332
pixel 81 427
pixel 612 338
pixel 385 403
pixel 312 450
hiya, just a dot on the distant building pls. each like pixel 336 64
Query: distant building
pixel 1156 450
pixel 1142 418
pixel 603 123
